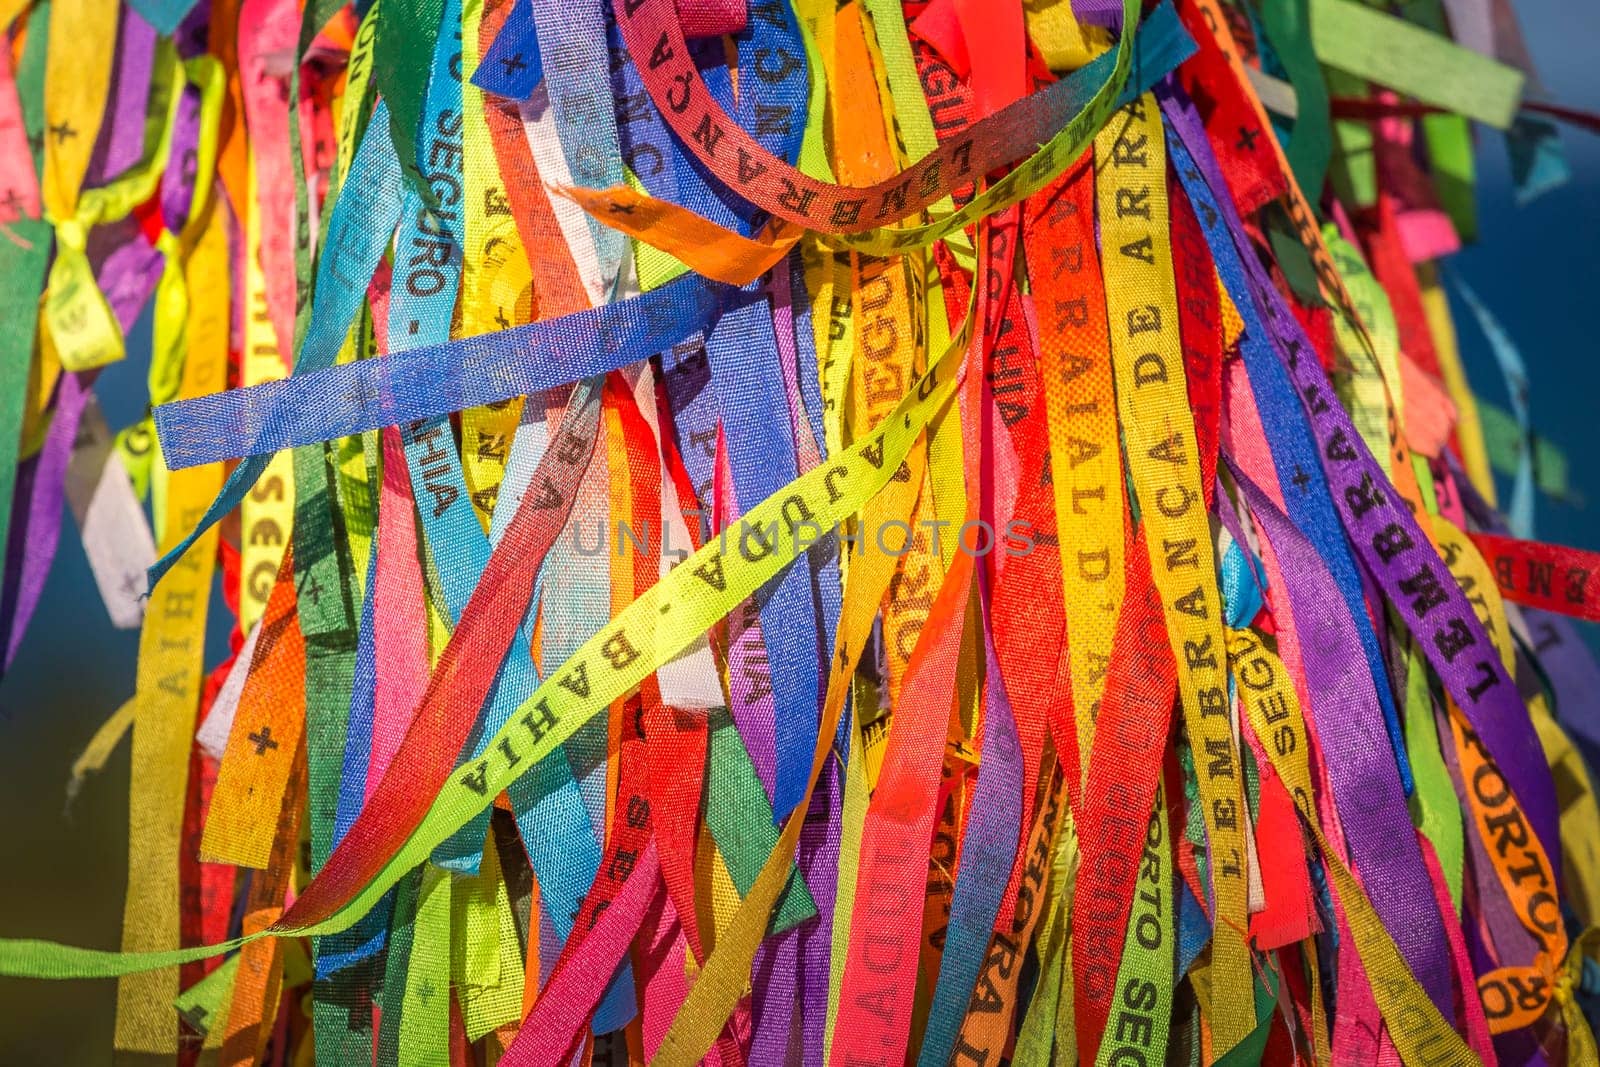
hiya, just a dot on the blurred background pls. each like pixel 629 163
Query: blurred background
pixel 63 873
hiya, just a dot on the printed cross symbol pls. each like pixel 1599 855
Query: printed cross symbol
pixel 1301 479
pixel 361 394
pixel 313 587
pixel 1247 138
pixel 62 132
pixel 513 64
pixel 501 320
pixel 425 991
pixel 12 203
pixel 263 740
pixel 621 209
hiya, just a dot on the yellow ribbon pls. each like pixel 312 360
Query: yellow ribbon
pixel 80 321
pixel 137 444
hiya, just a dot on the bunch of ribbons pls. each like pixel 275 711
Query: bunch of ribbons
pixel 803 532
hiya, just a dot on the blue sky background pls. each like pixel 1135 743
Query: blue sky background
pixel 1537 267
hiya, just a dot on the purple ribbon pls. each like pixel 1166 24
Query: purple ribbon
pixel 177 181
pixel 1354 741
pixel 819 862
pixel 127 274
pixel 121 144
pixel 33 547
pixel 1387 539
pixel 1106 13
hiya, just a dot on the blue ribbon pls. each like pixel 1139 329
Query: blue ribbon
pixel 358 235
pixel 512 67
pixel 1304 487
pixel 321 402
pixel 431 380
pixel 1295 456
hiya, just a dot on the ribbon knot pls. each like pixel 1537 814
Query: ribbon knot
pixel 86 333
pixel 1580 1038
pixel 73 233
